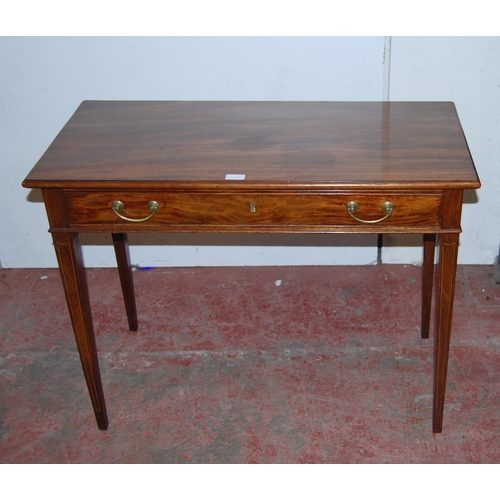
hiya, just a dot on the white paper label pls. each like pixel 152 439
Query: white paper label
pixel 235 177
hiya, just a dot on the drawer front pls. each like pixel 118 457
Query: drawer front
pixel 252 209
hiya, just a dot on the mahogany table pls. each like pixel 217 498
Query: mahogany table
pixel 255 167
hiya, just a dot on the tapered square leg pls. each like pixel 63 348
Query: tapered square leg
pixel 69 255
pixel 120 242
pixel 447 268
pixel 427 282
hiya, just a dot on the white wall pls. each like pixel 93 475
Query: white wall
pixel 465 70
pixel 42 81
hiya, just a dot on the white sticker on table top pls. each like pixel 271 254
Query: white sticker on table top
pixel 235 177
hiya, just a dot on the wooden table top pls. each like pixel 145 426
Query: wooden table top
pixel 401 145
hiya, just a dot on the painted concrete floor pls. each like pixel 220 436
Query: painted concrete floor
pixel 250 365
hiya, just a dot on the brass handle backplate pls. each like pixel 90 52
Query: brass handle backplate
pixel 387 207
pixel 117 207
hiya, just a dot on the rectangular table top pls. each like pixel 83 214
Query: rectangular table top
pixel 401 145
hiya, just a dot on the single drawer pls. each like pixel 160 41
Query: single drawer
pixel 190 209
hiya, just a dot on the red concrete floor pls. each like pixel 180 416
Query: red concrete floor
pixel 250 365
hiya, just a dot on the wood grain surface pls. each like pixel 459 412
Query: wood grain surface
pixel 147 143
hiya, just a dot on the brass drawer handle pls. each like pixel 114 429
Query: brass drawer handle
pixel 387 207
pixel 118 207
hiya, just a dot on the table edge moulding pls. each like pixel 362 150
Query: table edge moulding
pixel 124 167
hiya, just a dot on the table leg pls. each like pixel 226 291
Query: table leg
pixel 427 282
pixel 447 268
pixel 69 255
pixel 122 253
